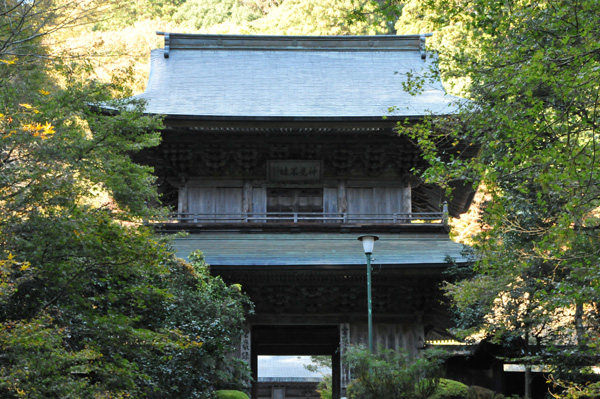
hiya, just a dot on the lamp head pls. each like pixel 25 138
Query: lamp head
pixel 368 242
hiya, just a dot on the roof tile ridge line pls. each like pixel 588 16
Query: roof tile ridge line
pixel 292 37
pixel 290 42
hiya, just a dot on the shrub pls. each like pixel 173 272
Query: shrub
pixel 477 392
pixel 450 389
pixel 392 374
pixel 229 394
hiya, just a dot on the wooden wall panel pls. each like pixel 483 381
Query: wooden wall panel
pixel 407 336
pixel 386 200
pixel 359 199
pixel 355 197
pixel 214 201
pixel 378 200
pixel 330 200
pixel 228 200
pixel 201 199
pixel 259 200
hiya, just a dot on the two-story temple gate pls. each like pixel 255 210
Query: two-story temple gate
pixel 277 153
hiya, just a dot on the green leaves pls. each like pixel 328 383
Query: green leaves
pixel 392 374
pixel 533 75
pixel 92 303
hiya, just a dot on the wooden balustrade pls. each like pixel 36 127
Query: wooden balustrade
pixel 438 218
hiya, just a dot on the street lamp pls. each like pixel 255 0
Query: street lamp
pixel 368 242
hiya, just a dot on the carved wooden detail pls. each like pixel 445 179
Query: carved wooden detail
pixel 342 160
pixel 342 294
pixel 245 156
pixel 279 151
pixel 310 151
pixel 375 160
pixel 214 158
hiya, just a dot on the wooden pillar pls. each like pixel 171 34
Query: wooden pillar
pixel 247 197
pixel 182 197
pixel 336 374
pixel 342 199
pixel 344 343
pixel 406 199
pixel 254 367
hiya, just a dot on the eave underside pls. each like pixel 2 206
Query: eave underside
pixel 321 278
pixel 328 296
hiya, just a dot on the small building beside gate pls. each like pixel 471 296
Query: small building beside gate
pixel 277 153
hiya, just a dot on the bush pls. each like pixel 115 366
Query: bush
pixel 392 374
pixel 228 394
pixel 324 388
pixel 450 389
pixel 477 392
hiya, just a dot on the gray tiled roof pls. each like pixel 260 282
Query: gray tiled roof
pixel 291 77
pixel 317 249
pixel 288 368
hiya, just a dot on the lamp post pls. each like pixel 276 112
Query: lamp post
pixel 368 242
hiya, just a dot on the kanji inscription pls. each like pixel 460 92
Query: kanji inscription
pixel 294 171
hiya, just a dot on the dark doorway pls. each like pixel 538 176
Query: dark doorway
pixel 297 340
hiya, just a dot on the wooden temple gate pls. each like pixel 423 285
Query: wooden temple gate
pixel 277 153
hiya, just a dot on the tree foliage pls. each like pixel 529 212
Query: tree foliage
pixel 392 374
pixel 92 303
pixel 313 17
pixel 532 70
pixel 206 15
pixel 289 17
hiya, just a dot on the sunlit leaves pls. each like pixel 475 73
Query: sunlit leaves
pixel 533 69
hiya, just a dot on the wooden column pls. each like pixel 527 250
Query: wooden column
pixel 182 198
pixel 406 198
pixel 254 367
pixel 336 380
pixel 247 197
pixel 342 198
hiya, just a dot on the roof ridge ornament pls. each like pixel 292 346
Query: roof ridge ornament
pixel 422 47
pixel 167 42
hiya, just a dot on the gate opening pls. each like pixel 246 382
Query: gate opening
pixel 293 377
pixel 280 353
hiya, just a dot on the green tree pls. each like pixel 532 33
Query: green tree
pixel 120 15
pixel 532 70
pixel 314 17
pixel 318 364
pixel 92 303
pixel 381 13
pixel 204 15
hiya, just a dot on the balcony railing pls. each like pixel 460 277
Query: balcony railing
pixel 439 218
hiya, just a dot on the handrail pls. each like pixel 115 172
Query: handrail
pixel 310 217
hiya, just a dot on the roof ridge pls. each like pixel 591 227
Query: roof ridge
pixel 185 41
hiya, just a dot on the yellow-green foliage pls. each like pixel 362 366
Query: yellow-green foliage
pixel 228 394
pixel 450 389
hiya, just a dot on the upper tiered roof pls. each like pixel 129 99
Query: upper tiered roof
pixel 237 77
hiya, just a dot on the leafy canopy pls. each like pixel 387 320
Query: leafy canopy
pixel 532 71
pixel 92 303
